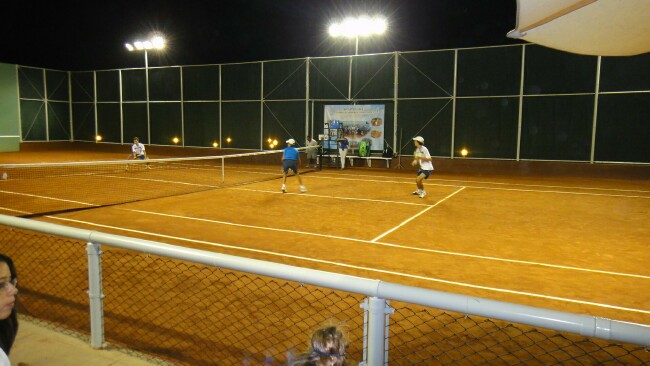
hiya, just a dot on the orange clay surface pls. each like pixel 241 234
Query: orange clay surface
pixel 569 237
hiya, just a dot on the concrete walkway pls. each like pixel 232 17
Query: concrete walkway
pixel 39 345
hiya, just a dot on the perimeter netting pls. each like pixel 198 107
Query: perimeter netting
pixel 47 188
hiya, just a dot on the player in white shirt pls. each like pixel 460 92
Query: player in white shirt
pixel 422 158
pixel 138 150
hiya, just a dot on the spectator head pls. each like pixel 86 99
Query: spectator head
pixel 8 292
pixel 328 345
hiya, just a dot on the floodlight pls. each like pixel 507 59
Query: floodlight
pixel 228 140
pixel 379 26
pixel 175 140
pixel 158 42
pixel 215 144
pixel 129 46
pixel 354 28
pixel 335 30
pixel 138 45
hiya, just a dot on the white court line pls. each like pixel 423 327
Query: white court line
pixel 481 257
pixel 473 256
pixel 544 186
pixel 414 216
pixel 491 188
pixel 12 210
pixel 243 225
pixel 47 198
pixel 392 245
pixel 159 181
pixel 335 197
pixel 462 284
pixel 506 184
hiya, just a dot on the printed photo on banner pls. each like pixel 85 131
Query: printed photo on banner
pixel 357 123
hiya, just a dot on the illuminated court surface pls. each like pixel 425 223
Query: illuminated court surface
pixel 565 243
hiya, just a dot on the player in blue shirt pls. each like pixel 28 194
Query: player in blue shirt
pixel 291 160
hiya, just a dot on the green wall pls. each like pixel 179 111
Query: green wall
pixel 9 117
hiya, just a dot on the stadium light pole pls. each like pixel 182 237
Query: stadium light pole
pixel 363 26
pixel 156 43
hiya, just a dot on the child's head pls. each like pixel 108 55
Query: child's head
pixel 328 345
pixel 329 342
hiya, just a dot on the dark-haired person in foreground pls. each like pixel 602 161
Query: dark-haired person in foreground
pixel 8 318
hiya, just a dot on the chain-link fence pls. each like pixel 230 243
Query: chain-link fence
pixel 193 314
pixel 431 337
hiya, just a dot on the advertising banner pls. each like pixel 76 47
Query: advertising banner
pixel 357 123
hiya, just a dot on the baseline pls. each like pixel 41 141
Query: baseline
pixel 461 284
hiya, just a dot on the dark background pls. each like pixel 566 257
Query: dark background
pixel 89 35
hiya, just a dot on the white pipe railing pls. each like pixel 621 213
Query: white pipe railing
pixel 589 326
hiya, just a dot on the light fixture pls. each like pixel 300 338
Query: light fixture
pixel 215 144
pixel 362 26
pixel 156 42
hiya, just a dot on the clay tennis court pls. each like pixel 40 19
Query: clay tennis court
pixel 552 235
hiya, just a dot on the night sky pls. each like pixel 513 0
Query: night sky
pixel 89 35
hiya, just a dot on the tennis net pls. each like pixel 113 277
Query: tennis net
pixel 39 189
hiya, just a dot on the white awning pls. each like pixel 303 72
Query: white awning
pixel 588 27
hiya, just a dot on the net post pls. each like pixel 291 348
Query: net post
pixel 95 295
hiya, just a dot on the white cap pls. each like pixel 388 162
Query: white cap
pixel 419 139
pixel 291 141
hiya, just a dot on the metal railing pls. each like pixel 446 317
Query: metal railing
pixel 190 306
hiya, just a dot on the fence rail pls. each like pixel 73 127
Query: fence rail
pixel 171 301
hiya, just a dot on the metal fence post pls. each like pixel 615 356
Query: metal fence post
pixel 388 311
pixel 376 331
pixel 364 305
pixel 95 295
